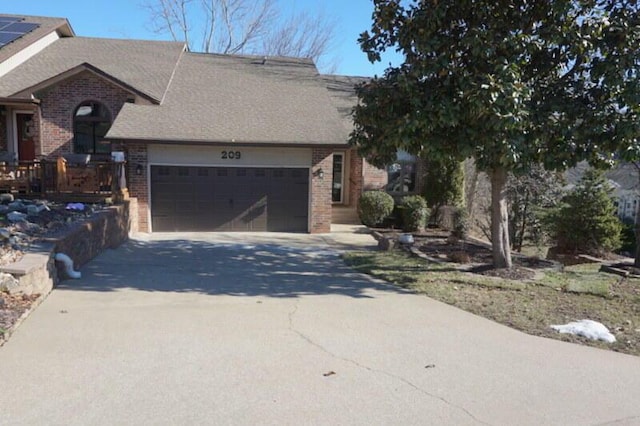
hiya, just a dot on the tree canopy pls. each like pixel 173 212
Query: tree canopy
pixel 511 83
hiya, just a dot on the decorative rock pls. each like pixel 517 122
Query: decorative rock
pixel 33 210
pixel 406 239
pixel 6 198
pixel 5 234
pixel 16 216
pixel 16 205
pixel 9 283
pixel 386 244
pixel 4 209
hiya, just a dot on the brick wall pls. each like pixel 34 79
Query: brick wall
pixel 136 154
pixel 373 177
pixel 355 177
pixel 58 103
pixel 4 143
pixel 322 158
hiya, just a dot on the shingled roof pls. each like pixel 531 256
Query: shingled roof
pixel 343 95
pixel 46 26
pixel 146 66
pixel 241 99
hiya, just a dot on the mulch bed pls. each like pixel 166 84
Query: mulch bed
pixel 12 307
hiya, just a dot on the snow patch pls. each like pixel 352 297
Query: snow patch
pixel 587 328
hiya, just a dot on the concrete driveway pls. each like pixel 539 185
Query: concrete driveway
pixel 274 329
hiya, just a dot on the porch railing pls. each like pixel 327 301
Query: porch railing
pixel 50 177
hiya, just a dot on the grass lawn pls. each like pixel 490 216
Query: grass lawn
pixel 556 297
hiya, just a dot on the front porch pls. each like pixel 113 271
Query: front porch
pixel 61 179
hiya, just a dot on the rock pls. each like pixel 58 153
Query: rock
pixel 9 283
pixel 16 216
pixel 406 239
pixel 386 244
pixel 5 234
pixel 6 198
pixel 2 302
pixel 33 210
pixel 16 205
pixel 4 209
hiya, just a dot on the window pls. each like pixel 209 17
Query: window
pixel 91 122
pixel 337 182
pixel 401 175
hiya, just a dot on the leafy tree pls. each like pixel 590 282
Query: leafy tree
pixel 243 26
pixel 586 222
pixel 528 195
pixel 509 83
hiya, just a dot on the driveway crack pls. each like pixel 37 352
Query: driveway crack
pixel 613 422
pixel 310 341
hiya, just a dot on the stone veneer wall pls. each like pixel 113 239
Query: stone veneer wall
pixel 59 102
pixel 108 229
pixel 320 212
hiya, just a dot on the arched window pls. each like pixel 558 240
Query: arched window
pixel 91 122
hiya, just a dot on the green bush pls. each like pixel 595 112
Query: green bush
pixel 460 223
pixel 586 220
pixel 374 207
pixel 443 182
pixel 414 213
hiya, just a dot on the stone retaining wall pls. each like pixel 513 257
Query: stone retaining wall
pixel 108 229
pixel 38 272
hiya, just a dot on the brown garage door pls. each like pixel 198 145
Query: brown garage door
pixel 229 199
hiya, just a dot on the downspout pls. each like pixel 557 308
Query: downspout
pixel 68 263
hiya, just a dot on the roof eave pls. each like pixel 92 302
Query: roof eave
pixel 227 142
pixel 85 66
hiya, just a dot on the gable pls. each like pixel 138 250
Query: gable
pixel 144 66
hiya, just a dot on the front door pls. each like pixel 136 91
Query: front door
pixel 26 137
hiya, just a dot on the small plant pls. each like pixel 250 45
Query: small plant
pixel 414 213
pixel 374 207
pixel 460 223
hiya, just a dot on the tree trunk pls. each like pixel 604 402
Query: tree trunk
pixel 500 219
pixel 636 263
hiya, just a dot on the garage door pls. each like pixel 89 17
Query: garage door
pixel 229 199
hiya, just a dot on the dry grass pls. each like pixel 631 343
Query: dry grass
pixel 557 297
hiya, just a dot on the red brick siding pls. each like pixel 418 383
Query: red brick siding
pixel 3 132
pixel 373 177
pixel 322 158
pixel 59 102
pixel 138 184
pixel 355 177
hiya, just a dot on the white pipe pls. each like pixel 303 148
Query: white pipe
pixel 68 263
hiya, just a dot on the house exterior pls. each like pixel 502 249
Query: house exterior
pixel 625 187
pixel 211 142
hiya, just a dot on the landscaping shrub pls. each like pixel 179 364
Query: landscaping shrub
pixel 374 207
pixel 460 223
pixel 586 221
pixel 414 213
pixel 628 238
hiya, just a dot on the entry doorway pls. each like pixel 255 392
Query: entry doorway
pixel 25 136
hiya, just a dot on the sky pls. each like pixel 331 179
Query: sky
pixel 129 19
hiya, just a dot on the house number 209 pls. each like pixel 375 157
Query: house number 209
pixel 231 155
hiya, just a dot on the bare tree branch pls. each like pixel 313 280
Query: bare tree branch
pixel 242 27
